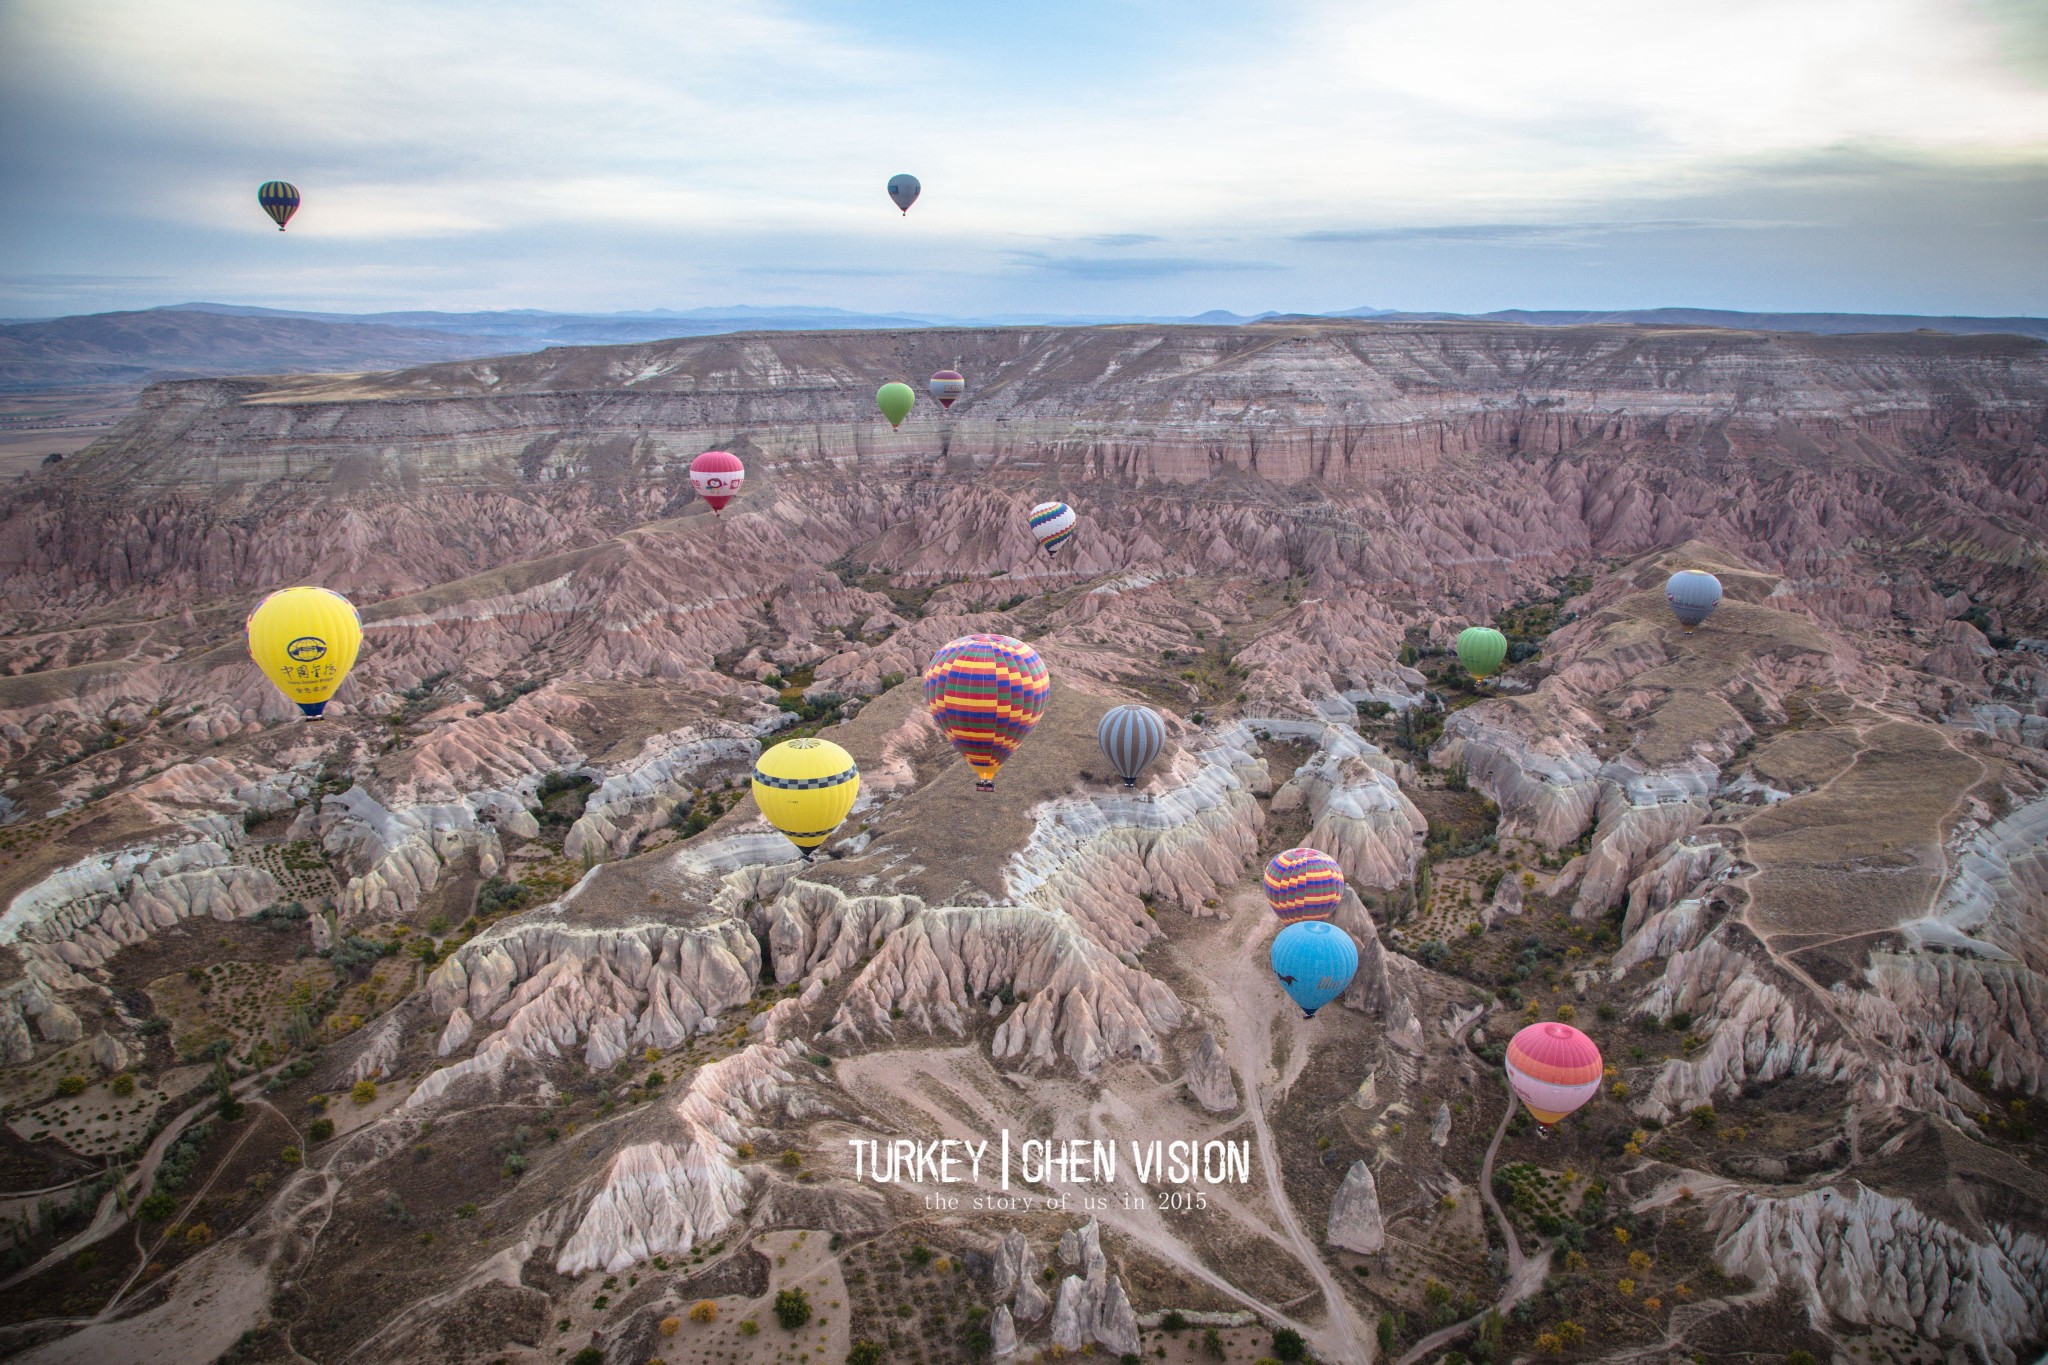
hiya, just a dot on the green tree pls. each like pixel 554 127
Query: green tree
pixel 792 1309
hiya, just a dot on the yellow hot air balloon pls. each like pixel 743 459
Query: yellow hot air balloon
pixel 305 640
pixel 805 787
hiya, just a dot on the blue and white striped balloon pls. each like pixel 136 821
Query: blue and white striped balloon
pixel 1131 737
pixel 1693 596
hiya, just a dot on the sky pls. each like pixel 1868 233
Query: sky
pixel 1080 157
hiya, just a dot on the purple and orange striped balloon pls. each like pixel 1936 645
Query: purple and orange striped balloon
pixel 986 692
pixel 1304 883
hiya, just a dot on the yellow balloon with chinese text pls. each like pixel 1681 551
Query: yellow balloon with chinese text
pixel 305 640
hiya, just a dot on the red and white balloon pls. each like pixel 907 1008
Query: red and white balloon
pixel 717 475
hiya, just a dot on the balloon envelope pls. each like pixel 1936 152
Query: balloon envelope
pixel 947 386
pixel 717 476
pixel 895 401
pixel 904 189
pixel 1053 524
pixel 1315 962
pixel 805 787
pixel 305 640
pixel 1693 596
pixel 986 692
pixel 1481 649
pixel 279 199
pixel 1131 737
pixel 1553 1068
pixel 1304 884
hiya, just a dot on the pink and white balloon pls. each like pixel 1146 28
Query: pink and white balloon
pixel 717 475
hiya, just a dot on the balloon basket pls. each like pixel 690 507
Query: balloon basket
pixel 983 784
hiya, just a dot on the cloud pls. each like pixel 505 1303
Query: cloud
pixel 1536 234
pixel 1164 154
pixel 1132 267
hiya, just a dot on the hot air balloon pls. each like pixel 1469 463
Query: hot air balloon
pixel 1131 737
pixel 279 200
pixel 717 475
pixel 1304 883
pixel 1481 649
pixel 1315 962
pixel 904 189
pixel 1693 596
pixel 1554 1069
pixel 986 692
pixel 805 787
pixel 947 386
pixel 895 401
pixel 1053 524
pixel 305 640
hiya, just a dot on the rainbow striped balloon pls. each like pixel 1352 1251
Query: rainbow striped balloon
pixel 1554 1069
pixel 1304 883
pixel 986 692
pixel 1053 524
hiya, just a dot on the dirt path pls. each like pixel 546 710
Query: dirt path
pixel 1245 1002
pixel 1525 1274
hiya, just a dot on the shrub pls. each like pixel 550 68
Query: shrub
pixel 363 1092
pixel 1174 1321
pixel 199 1234
pixel 515 1166
pixel 1288 1344
pixel 792 1309
pixel 319 1130
pixel 1570 1333
pixel 71 1085
pixel 792 1159
pixel 864 1352
pixel 1800 1358
pixel 122 1085
pixel 704 1310
pixel 290 1156
pixel 1212 1343
pixel 158 1206
pixel 1566 1013
pixel 589 1355
pixel 1385 1332
pixel 749 1328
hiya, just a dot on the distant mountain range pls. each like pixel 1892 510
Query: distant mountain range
pixel 192 339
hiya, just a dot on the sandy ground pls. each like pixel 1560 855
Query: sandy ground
pixel 62 422
pixel 959 1092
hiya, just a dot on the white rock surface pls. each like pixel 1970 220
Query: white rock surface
pixel 1861 1257
pixel 1355 1222
pixel 616 990
pixel 1074 998
pixel 1002 1334
pixel 640 796
pixel 662 1198
pixel 1209 1079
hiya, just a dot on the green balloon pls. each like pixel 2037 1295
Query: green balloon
pixel 1481 649
pixel 895 400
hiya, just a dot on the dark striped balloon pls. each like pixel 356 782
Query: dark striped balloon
pixel 986 692
pixel 1304 883
pixel 279 200
pixel 1131 737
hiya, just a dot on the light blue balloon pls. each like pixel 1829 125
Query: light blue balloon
pixel 1315 961
pixel 1693 596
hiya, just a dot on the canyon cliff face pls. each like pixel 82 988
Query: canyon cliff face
pixel 1786 868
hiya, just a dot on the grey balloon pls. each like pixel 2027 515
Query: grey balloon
pixel 1131 737
pixel 904 189
pixel 1693 596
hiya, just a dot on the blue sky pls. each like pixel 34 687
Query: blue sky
pixel 1113 157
